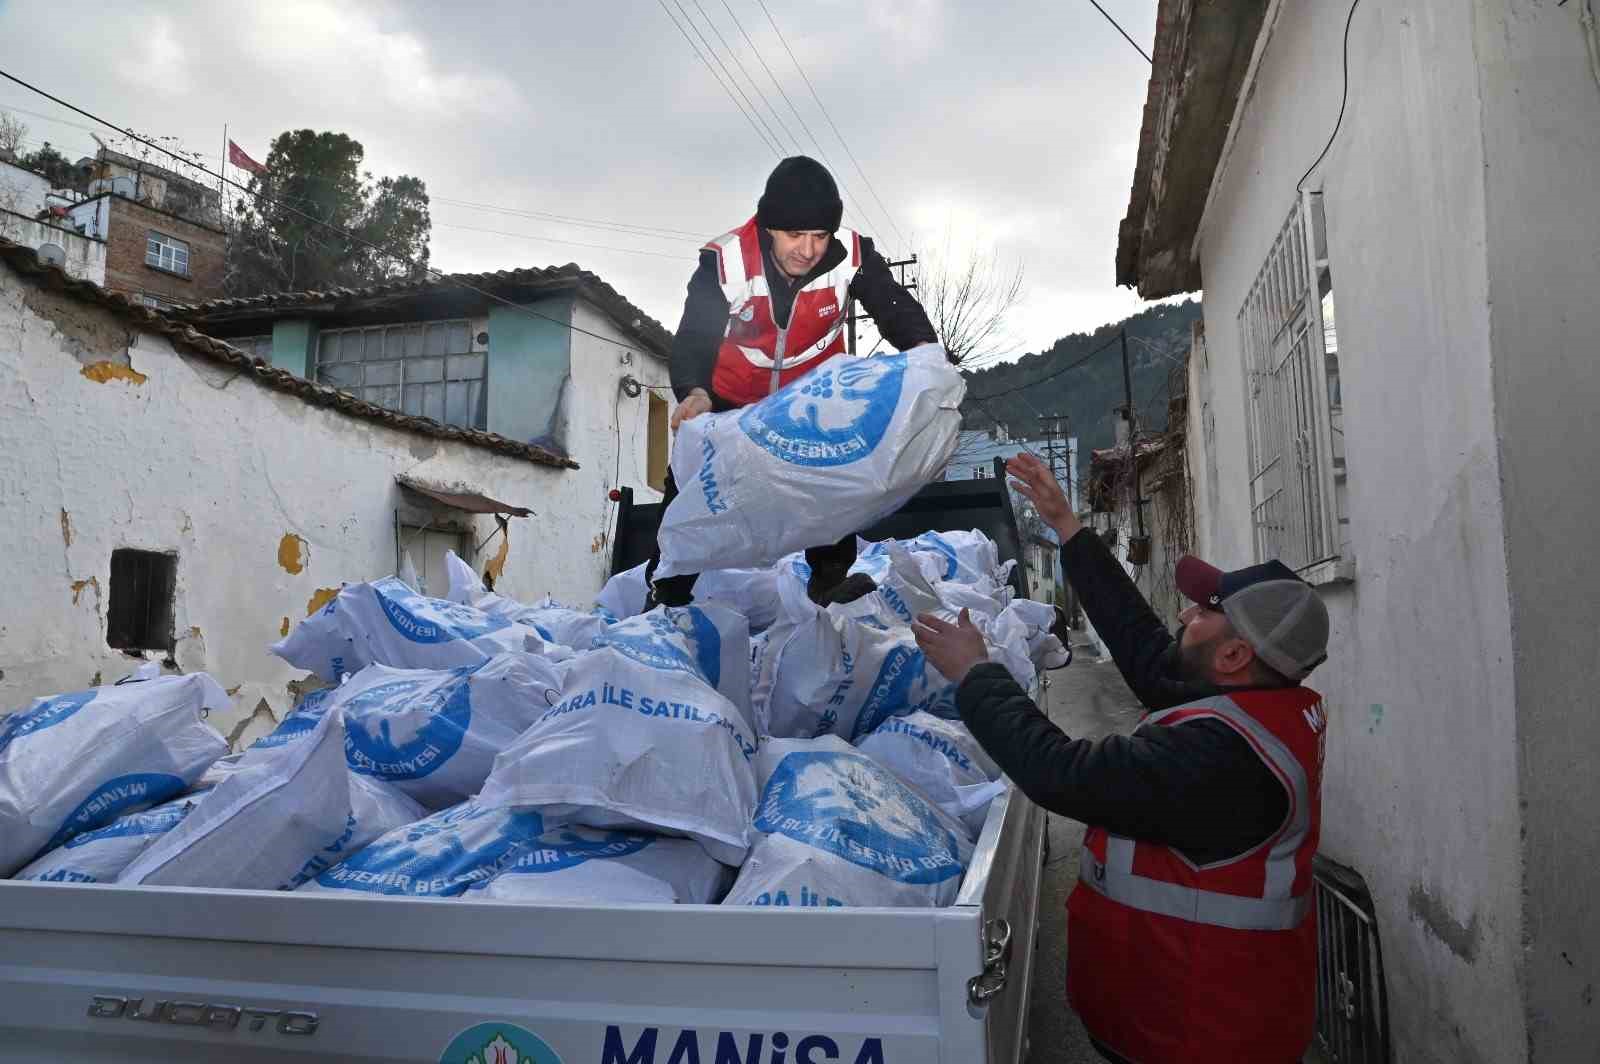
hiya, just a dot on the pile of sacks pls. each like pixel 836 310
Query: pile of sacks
pixel 750 749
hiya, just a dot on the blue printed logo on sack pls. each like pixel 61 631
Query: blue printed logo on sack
pixel 933 543
pixel 402 730
pixel 498 1043
pixel 847 805
pixel 834 415
pixel 300 723
pixel 568 849
pixel 430 620
pixel 429 857
pixel 665 637
pixel 48 712
pixel 113 798
pixel 890 696
pixel 150 822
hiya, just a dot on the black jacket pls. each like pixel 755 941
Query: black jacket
pixel 1197 786
pixel 899 318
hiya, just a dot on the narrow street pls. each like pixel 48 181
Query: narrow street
pixel 1087 699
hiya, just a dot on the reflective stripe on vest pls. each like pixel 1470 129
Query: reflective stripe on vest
pixel 1278 908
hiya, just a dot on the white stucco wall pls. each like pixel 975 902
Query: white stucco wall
pixel 1421 781
pixel 1541 137
pixel 22 190
pixel 184 455
pixel 86 257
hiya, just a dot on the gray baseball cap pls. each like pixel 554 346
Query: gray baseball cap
pixel 1280 615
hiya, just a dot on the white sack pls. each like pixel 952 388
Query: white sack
pixel 257 830
pixel 99 856
pixel 966 557
pixel 585 866
pixel 837 828
pixel 301 720
pixel 834 451
pixel 376 808
pixel 624 595
pixel 386 623
pixel 74 762
pixel 638 739
pixel 434 734
pixel 752 593
pixel 554 622
pixel 942 760
pixel 1035 621
pixel 440 856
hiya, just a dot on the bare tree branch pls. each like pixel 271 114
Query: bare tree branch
pixel 13 132
pixel 968 300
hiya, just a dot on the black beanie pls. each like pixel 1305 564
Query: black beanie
pixel 800 195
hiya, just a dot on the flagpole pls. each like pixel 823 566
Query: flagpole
pixel 222 182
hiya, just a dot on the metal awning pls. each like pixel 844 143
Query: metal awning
pixel 469 501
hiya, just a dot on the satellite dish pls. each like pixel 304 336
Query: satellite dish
pixel 54 254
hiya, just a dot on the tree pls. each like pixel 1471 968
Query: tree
pixel 968 300
pixel 12 134
pixel 282 238
pixel 52 164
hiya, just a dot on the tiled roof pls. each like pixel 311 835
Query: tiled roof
pixel 186 338
pixel 651 333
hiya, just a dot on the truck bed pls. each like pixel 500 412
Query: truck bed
pixel 169 974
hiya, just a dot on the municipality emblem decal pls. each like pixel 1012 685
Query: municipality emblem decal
pixel 406 729
pixel 498 1043
pixel 680 638
pixel 834 415
pixel 429 620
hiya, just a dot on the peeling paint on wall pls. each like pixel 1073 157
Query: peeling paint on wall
pixel 79 585
pixel 104 372
pixel 293 554
pixel 283 629
pixel 323 596
pixel 66 528
pixel 497 564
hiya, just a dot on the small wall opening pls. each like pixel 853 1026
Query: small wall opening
pixel 656 464
pixel 142 587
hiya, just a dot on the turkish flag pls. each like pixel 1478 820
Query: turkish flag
pixel 238 158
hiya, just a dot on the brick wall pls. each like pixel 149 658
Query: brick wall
pixel 127 239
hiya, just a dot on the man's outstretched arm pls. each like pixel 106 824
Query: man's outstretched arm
pixel 900 318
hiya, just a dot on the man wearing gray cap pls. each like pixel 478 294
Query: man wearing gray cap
pixel 1190 934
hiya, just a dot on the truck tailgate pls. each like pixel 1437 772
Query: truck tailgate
pixel 107 973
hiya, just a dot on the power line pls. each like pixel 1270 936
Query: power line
pixel 1049 376
pixel 866 180
pixel 395 255
pixel 557 240
pixel 696 48
pixel 1344 98
pixel 1124 33
pixel 716 55
pixel 740 64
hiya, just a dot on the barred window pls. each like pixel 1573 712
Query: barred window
pixel 428 369
pixel 166 253
pixel 1291 360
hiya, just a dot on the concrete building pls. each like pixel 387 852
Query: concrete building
pixel 170 497
pixel 1412 456
pixel 31 213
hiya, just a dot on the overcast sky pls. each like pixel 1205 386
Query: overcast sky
pixel 1008 127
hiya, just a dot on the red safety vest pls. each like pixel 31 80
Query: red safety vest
pixel 756 357
pixel 1168 961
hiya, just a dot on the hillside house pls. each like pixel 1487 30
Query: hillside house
pixel 1410 457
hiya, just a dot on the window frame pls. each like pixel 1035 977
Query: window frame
pixel 1296 511
pixel 158 244
pixel 478 418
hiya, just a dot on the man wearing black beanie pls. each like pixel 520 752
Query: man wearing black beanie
pixel 767 304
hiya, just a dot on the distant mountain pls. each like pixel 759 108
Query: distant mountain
pixel 1158 342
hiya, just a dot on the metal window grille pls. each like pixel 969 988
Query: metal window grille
pixel 166 253
pixel 1352 1003
pixel 142 586
pixel 426 369
pixel 1288 375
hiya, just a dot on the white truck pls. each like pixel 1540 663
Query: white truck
pixel 167 974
